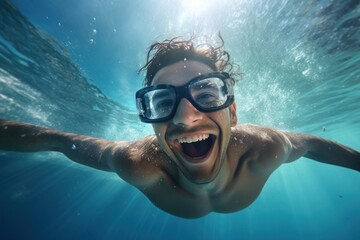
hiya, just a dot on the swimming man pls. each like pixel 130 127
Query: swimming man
pixel 199 160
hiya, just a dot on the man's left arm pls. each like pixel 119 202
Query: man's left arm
pixel 322 150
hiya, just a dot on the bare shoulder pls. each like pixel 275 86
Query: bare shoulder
pixel 265 148
pixel 258 134
pixel 140 162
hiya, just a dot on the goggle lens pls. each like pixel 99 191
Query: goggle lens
pixel 159 103
pixel 208 93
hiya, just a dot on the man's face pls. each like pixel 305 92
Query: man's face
pixel 196 142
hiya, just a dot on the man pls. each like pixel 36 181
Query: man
pixel 199 159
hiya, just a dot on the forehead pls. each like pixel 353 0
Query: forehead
pixel 179 73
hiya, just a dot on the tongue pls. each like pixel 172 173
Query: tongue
pixel 197 149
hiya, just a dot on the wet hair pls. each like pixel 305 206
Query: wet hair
pixel 169 51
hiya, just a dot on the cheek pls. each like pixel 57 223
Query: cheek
pixel 222 117
pixel 160 130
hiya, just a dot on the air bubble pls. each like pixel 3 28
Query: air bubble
pixel 5 127
pixel 23 135
pixel 73 147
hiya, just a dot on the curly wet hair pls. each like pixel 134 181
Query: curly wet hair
pixel 169 51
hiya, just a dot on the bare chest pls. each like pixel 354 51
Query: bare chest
pixel 239 194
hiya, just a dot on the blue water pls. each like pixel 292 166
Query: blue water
pixel 72 65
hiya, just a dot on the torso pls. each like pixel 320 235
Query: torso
pixel 238 194
pixel 241 189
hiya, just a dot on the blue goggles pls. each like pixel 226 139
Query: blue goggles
pixel 207 93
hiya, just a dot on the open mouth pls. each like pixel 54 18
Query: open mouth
pixel 197 147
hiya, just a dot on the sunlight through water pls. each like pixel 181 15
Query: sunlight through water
pixel 72 65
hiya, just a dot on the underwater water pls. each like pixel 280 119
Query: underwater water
pixel 71 65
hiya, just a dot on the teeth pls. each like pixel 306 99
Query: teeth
pixel 193 138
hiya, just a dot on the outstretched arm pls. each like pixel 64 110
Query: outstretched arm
pixel 22 137
pixel 136 162
pixel 323 150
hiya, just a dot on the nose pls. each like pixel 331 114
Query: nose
pixel 186 114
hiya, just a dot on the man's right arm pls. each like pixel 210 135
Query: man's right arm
pixel 22 137
pixel 137 162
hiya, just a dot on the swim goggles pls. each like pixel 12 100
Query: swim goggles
pixel 207 93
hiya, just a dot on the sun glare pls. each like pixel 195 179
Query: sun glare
pixel 197 7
